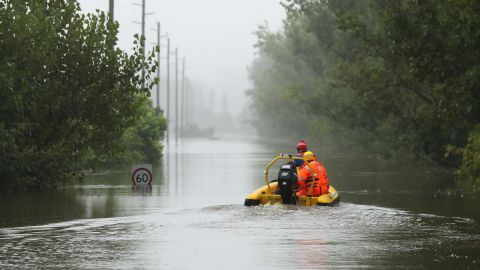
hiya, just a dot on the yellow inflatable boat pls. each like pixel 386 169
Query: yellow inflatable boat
pixel 282 190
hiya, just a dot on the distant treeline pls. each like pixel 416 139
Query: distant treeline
pixel 400 78
pixel 70 99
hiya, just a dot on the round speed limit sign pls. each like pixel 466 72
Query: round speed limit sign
pixel 142 175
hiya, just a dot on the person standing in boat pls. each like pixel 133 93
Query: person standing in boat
pixel 312 174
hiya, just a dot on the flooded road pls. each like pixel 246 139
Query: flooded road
pixel 194 218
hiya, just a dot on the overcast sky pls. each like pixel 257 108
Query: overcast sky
pixel 215 36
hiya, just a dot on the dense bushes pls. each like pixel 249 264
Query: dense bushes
pixel 139 142
pixel 399 78
pixel 469 171
pixel 67 94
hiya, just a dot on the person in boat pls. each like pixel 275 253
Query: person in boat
pixel 301 147
pixel 315 175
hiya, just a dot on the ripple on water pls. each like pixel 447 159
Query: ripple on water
pixel 348 235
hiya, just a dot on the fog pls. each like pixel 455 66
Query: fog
pixel 216 37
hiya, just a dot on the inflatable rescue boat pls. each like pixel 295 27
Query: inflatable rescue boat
pixel 282 190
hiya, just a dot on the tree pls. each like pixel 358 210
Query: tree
pixel 65 90
pixel 399 78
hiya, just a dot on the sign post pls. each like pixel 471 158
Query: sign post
pixel 142 176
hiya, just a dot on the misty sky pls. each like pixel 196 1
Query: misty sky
pixel 215 36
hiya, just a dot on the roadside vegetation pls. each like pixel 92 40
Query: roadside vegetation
pixel 398 78
pixel 70 99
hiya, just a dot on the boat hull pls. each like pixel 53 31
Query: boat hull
pixel 264 195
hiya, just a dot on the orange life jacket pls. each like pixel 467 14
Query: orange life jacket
pixel 324 183
pixel 317 178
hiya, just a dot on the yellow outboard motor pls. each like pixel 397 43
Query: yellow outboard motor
pixel 287 183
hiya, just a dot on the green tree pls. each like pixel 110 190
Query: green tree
pixel 65 90
pixel 399 78
pixel 429 49
pixel 469 172
pixel 273 79
pixel 139 142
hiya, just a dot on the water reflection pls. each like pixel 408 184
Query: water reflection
pixel 44 207
pixel 142 189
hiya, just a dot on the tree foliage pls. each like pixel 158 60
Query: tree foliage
pixel 140 142
pixel 66 90
pixel 469 171
pixel 399 78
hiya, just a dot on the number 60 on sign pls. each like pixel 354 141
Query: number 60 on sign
pixel 142 175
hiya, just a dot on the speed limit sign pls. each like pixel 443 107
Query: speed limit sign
pixel 142 175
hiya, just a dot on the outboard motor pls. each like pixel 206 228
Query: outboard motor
pixel 287 182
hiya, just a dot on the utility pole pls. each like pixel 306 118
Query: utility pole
pixel 143 44
pixel 168 86
pixel 182 108
pixel 111 9
pixel 188 101
pixel 176 94
pixel 224 104
pixel 144 40
pixel 158 60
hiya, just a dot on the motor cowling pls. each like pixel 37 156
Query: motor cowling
pixel 287 182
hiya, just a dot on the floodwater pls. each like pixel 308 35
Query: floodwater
pixel 194 218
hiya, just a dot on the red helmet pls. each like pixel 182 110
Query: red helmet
pixel 301 146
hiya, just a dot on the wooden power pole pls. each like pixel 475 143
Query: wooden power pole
pixel 158 60
pixel 111 9
pixel 176 94
pixel 144 40
pixel 168 86
pixel 182 107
